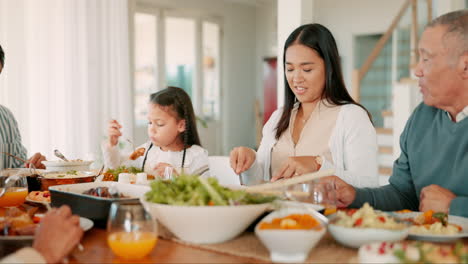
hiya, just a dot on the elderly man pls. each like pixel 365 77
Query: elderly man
pixel 432 170
pixel 10 138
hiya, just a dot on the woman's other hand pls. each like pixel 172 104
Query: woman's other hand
pixel 241 159
pixel 36 161
pixel 113 132
pixel 58 234
pixel 295 166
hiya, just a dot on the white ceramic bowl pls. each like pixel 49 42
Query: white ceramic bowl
pixel 60 165
pixel 289 245
pixel 205 224
pixel 356 237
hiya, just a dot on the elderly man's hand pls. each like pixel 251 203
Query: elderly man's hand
pixel 345 193
pixel 36 160
pixel 58 234
pixel 436 198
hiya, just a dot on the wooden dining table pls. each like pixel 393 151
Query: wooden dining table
pixel 96 250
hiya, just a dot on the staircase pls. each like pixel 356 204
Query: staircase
pixel 385 147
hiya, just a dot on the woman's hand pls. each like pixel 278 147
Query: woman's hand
pixel 58 234
pixel 295 166
pixel 113 132
pixel 241 159
pixel 161 168
pixel 36 161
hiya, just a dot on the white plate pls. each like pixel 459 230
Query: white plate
pixel 458 220
pixel 36 202
pixel 85 223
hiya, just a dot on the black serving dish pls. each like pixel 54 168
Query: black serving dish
pixel 92 207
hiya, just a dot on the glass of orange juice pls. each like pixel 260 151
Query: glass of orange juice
pixel 14 195
pixel 131 232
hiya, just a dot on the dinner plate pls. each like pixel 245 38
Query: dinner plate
pixel 452 219
pixel 36 202
pixel 85 223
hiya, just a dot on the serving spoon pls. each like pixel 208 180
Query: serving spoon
pixel 59 154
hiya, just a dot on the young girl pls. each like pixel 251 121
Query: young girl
pixel 174 141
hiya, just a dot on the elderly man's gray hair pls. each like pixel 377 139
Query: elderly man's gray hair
pixel 456 24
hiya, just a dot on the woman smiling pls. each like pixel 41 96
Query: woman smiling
pixel 320 125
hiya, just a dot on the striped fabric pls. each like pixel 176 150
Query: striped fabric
pixel 10 140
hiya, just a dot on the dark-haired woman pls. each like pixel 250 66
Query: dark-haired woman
pixel 320 125
pixel 174 141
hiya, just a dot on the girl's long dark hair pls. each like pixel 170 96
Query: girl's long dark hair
pixel 320 39
pixel 179 102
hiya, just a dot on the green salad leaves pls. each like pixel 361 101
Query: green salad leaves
pixel 192 190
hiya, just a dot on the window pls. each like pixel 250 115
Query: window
pixel 211 70
pixel 145 75
pixel 171 49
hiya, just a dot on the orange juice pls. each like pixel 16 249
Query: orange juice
pixel 132 245
pixel 15 196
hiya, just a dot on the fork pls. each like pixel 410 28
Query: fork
pixel 24 161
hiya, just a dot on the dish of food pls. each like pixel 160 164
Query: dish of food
pixel 38 197
pixel 21 224
pixel 104 192
pixel 413 252
pixel 367 217
pixel 192 190
pixel 435 227
pixel 113 174
pixel 292 221
pixel 67 174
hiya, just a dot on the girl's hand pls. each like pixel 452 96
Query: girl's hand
pixel 161 168
pixel 113 132
pixel 295 166
pixel 242 158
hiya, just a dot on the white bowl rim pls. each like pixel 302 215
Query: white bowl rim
pixel 203 206
pixel 293 211
pixel 370 228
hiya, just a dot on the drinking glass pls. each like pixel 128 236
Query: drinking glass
pixel 131 232
pixel 15 195
pixel 314 192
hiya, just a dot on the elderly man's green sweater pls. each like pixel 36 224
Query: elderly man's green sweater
pixel 434 150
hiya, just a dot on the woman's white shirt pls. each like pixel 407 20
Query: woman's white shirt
pixel 196 158
pixel 353 147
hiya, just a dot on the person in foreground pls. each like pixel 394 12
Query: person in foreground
pixel 10 138
pixel 57 235
pixel 320 125
pixel 432 170
pixel 174 140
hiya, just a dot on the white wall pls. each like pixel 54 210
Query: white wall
pixel 239 65
pixel 346 19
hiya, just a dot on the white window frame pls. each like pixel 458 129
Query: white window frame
pixel 199 17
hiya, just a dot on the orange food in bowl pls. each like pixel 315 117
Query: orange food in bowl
pixel 293 221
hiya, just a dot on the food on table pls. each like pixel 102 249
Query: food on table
pixel 132 245
pixel 38 196
pixel 137 153
pixel 104 193
pixel 195 190
pixel 113 174
pixel 65 174
pixel 18 223
pixel 293 221
pixel 367 217
pixel 413 252
pixel 431 223
pixel 404 211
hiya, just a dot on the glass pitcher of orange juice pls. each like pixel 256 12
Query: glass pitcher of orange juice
pixel 15 195
pixel 131 232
